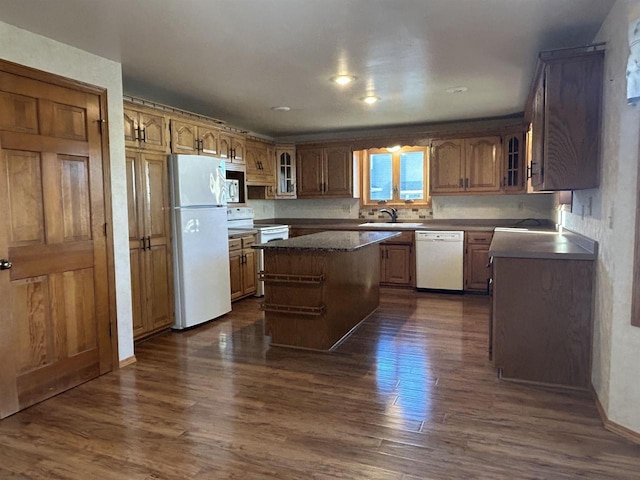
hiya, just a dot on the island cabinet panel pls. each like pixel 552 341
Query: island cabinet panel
pixel 542 320
pixel 314 299
pixel 564 110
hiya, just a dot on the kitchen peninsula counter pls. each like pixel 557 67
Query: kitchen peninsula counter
pixel 319 287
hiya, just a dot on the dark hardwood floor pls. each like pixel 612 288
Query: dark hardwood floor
pixel 410 395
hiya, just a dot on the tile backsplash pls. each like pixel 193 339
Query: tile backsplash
pixel 443 207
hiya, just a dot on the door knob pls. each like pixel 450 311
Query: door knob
pixel 5 264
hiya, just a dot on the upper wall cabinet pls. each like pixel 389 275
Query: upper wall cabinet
pixel 194 139
pixel 259 161
pixel 513 176
pixel 285 171
pixel 144 129
pixel 469 165
pixel 564 110
pixel 232 147
pixel 325 171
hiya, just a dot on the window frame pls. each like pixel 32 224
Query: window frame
pixel 395 177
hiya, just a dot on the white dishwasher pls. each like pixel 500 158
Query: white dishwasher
pixel 439 260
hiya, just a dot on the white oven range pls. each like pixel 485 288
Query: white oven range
pixel 242 218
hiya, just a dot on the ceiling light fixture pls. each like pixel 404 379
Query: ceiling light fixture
pixel 456 89
pixel 281 109
pixel 370 99
pixel 343 79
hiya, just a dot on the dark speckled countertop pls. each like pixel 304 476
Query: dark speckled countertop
pixel 337 241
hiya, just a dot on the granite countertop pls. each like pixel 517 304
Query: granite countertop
pixel 236 232
pixel 419 224
pixel 542 243
pixel 339 241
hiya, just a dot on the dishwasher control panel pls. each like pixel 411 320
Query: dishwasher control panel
pixel 440 236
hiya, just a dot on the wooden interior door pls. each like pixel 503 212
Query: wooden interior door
pixel 55 318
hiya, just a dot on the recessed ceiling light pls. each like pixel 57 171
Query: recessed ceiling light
pixel 281 109
pixel 370 99
pixel 343 79
pixel 456 89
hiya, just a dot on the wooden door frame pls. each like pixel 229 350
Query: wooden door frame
pixel 101 93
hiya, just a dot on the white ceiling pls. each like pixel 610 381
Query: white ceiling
pixel 235 59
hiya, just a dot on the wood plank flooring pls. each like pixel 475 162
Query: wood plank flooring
pixel 410 395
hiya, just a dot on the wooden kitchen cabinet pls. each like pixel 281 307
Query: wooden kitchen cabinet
pixel 397 261
pixel 513 174
pixel 260 163
pixel 144 128
pixel 243 267
pixel 476 264
pixel 468 165
pixel 285 171
pixel 542 320
pixel 149 242
pixel 232 147
pixel 564 110
pixel 193 138
pixel 325 171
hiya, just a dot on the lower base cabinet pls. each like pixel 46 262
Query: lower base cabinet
pixel 476 261
pixel 243 267
pixel 542 320
pixel 397 261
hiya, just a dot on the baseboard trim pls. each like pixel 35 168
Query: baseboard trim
pixel 613 426
pixel 127 361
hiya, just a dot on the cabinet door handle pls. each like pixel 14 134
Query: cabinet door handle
pixel 137 133
pixel 149 242
pixel 466 183
pixel 143 243
pixel 530 173
pixel 460 183
pixel 143 135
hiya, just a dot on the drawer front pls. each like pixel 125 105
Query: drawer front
pixel 479 237
pixel 235 244
pixel 248 241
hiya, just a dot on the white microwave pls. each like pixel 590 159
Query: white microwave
pixel 233 191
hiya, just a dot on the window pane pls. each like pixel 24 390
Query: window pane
pixel 411 175
pixel 380 175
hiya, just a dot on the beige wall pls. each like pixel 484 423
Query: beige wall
pixel 611 221
pixel 26 48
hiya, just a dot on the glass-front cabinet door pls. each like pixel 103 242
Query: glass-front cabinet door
pixel 285 171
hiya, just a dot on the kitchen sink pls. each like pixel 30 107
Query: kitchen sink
pixel 391 224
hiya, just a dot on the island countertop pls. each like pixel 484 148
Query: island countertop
pixel 336 241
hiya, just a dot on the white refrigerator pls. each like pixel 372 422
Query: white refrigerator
pixel 200 239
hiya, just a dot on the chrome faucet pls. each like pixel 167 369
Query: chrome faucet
pixel 393 213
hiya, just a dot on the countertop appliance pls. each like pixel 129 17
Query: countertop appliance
pixel 439 260
pixel 200 240
pixel 242 218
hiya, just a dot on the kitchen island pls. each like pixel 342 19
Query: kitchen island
pixel 319 287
